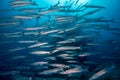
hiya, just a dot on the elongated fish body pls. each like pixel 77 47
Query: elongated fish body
pixel 8 24
pixel 36 45
pixel 47 11
pixel 20 2
pixel 74 71
pixel 102 73
pixel 91 12
pixel 94 6
pixel 65 48
pixel 23 17
pixel 40 52
pixel 51 71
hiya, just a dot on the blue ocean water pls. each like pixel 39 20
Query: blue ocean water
pixel 53 41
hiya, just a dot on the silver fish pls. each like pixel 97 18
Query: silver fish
pixel 59 65
pixel 23 17
pixel 26 41
pixel 73 71
pixel 40 52
pixel 102 73
pixel 64 48
pixel 49 32
pixel 47 11
pixel 39 63
pixel 9 24
pixel 20 2
pixel 51 71
pixel 34 28
pixel 17 49
pixel 37 45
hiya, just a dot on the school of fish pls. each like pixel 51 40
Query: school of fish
pixel 57 42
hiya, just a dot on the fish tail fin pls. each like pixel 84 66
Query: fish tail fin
pixel 80 47
pixel 104 7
